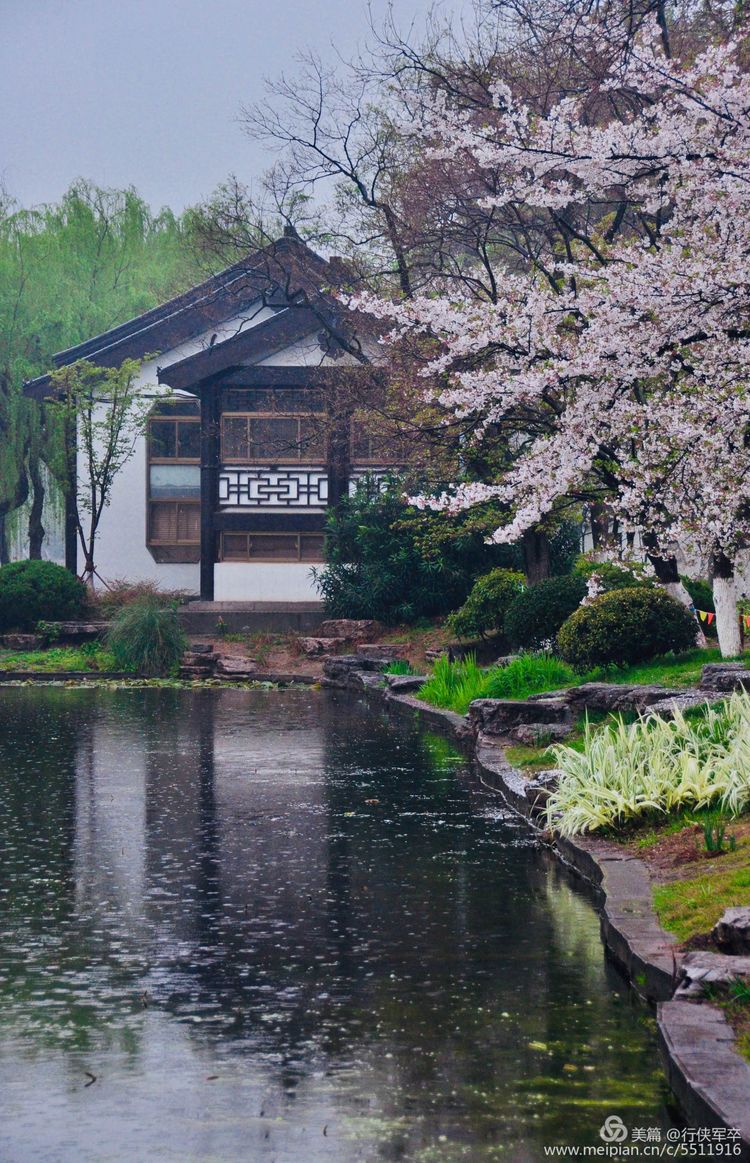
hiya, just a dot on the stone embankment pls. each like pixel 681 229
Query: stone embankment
pixel 705 1071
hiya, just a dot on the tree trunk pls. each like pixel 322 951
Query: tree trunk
pixel 668 577
pixel 535 556
pixel 725 600
pixel 36 528
pixel 4 555
pixel 599 518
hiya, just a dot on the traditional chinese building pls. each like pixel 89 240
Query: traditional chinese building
pixel 260 384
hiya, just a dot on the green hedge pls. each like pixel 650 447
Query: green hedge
pixel 624 627
pixel 535 616
pixel 486 606
pixel 38 591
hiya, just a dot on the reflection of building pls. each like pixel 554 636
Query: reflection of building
pixel 262 428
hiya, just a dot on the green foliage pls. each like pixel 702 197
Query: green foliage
pixel 654 766
pixel 626 626
pixel 34 591
pixel 398 666
pixel 715 835
pixel 455 685
pixel 388 561
pixel 528 675
pixel 700 591
pixel 147 637
pixel 485 608
pixel 535 616
pixel 610 576
pixel 89 657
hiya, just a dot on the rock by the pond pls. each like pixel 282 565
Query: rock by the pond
pixel 597 696
pixel 377 651
pixel 534 734
pixel 201 648
pixel 351 629
pixel 70 633
pixel 236 667
pixel 403 683
pixel 725 676
pixel 22 641
pixel 315 647
pixel 502 716
pixel 667 706
pixel 715 970
pixel 340 670
pixel 611 696
pixel 198 663
pixel 540 788
pixel 732 932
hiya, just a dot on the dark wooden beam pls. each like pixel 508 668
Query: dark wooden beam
pixel 258 522
pixel 209 491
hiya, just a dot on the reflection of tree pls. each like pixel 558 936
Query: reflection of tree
pixel 45 735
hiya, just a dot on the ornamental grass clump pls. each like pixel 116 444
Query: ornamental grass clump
pixel 654 767
pixel 454 685
pixel 146 637
pixel 527 675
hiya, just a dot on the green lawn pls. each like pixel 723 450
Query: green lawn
pixel 688 908
pixel 89 657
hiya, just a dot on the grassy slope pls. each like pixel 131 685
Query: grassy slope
pixel 58 658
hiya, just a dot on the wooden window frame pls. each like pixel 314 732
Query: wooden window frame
pixel 170 459
pixel 248 560
pixel 189 547
pixel 303 456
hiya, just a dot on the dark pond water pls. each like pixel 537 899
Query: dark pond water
pixel 278 927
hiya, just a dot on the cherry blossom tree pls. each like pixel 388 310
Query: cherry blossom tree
pixel 624 361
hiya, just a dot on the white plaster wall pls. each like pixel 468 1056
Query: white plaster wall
pixel 264 581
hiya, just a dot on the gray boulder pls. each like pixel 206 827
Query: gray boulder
pixel 725 676
pixel 501 716
pixel 732 932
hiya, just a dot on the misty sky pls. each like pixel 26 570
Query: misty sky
pixel 147 92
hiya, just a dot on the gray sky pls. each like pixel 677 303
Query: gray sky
pixel 147 92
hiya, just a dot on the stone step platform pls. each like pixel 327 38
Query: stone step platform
pixel 251 617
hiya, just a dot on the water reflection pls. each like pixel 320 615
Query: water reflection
pixel 277 926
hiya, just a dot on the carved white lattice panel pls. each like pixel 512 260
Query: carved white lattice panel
pixel 284 488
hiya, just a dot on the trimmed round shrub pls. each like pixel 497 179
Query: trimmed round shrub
pixel 486 606
pixel 611 576
pixel 38 591
pixel 535 616
pixel 624 627
pixel 701 593
pixel 147 637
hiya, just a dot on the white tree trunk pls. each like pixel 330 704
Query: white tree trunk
pixel 727 618
pixel 677 591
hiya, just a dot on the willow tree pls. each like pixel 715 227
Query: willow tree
pixel 69 271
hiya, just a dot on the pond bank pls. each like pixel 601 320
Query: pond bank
pixel 707 1074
